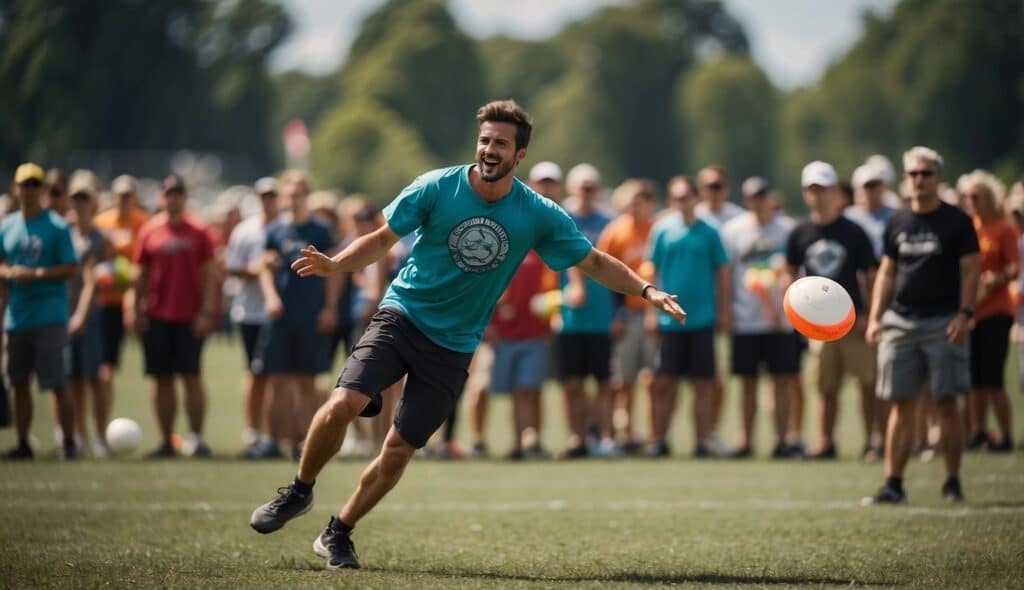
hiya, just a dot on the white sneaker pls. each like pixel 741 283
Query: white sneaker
pixel 609 449
pixel 99 448
pixel 250 436
pixel 717 446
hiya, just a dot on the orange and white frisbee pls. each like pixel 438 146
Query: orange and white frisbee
pixel 819 308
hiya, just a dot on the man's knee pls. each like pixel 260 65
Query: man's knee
pixel 396 454
pixel 947 408
pixel 345 405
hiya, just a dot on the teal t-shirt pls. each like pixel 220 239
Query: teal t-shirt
pixel 467 250
pixel 43 241
pixel 598 310
pixel 686 259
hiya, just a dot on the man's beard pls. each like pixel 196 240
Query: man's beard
pixel 501 170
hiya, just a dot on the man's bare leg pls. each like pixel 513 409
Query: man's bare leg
pixel 327 431
pixel 952 435
pixel 899 436
pixel 749 412
pixel 378 478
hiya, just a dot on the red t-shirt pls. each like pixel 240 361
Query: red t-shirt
pixel 513 319
pixel 173 255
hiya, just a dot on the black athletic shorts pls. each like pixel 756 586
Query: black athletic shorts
pixel 171 348
pixel 990 342
pixel 254 339
pixel 392 347
pixel 112 329
pixel 296 347
pixel 687 354
pixel 779 351
pixel 580 355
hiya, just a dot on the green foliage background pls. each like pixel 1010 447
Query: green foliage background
pixel 652 88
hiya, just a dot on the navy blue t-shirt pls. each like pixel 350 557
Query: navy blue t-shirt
pixel 303 298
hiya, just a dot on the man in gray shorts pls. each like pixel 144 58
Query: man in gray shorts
pixel 921 310
pixel 37 257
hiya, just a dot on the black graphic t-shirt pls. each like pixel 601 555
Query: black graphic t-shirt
pixel 837 251
pixel 927 249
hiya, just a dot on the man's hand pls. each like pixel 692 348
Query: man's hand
pixel 203 324
pixel 313 262
pixel 666 303
pixel 274 307
pixel 873 332
pixel 76 324
pixel 136 323
pixel 958 329
pixel 326 320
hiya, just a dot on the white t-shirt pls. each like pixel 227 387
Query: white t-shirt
pixel 758 257
pixel 718 219
pixel 246 245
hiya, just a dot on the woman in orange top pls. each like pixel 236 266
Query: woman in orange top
pixel 999 258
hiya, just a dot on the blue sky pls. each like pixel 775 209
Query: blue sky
pixel 793 40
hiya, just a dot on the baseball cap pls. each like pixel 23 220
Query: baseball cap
pixel 755 185
pixel 172 182
pixel 124 184
pixel 28 171
pixel 581 173
pixel 84 182
pixel 885 167
pixel 546 171
pixel 866 173
pixel 819 173
pixel 1015 204
pixel 267 184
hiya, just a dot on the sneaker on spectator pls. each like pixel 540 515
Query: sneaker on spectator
pixel 265 449
pixel 871 454
pixel 1003 446
pixel 717 446
pixel 977 441
pixel 742 452
pixel 575 452
pixel 886 495
pixel 201 451
pixel 250 436
pixel 22 452
pixel 826 453
pixel 951 491
pixel 658 450
pixel 163 451
pixel 701 451
pixel 608 449
pixel 536 452
pixel 477 451
pixel 99 448
pixel 449 450
pixel 515 455
pixel 785 451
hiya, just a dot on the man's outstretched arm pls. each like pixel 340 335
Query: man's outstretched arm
pixel 359 254
pixel 615 275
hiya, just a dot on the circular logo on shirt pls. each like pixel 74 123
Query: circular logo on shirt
pixel 478 244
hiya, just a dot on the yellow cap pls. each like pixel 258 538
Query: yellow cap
pixel 27 172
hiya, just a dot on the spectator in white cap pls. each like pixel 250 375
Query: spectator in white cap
pixel 546 179
pixel 828 244
pixel 869 210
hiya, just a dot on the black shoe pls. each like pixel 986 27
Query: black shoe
pixel 337 547
pixel 22 452
pixel 536 453
pixel 701 451
pixel 785 451
pixel 828 452
pixel 70 451
pixel 871 454
pixel 202 451
pixel 164 451
pixel 1003 446
pixel 515 455
pixel 274 514
pixel 743 452
pixel 576 452
pixel 657 450
pixel 886 495
pixel 951 491
pixel 265 449
pixel 978 441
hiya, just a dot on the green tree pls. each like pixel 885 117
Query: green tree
pixel 730 112
pixel 126 74
pixel 360 146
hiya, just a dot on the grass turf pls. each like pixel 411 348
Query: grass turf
pixel 491 524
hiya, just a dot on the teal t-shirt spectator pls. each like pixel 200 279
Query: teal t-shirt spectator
pixel 686 259
pixel 466 251
pixel 43 241
pixel 303 298
pixel 598 310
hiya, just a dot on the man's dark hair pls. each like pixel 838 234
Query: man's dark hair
pixel 507 111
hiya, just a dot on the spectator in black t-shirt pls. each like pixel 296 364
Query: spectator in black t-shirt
pixel 921 310
pixel 828 244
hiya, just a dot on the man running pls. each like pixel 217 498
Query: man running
pixel 474 225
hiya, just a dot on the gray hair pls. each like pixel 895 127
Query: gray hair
pixel 919 152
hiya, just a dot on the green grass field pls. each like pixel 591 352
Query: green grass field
pixel 490 524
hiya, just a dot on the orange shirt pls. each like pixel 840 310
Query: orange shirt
pixel 626 240
pixel 997 244
pixel 122 233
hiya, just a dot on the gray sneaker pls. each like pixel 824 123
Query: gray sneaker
pixel 337 547
pixel 274 514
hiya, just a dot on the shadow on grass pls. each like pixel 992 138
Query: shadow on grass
pixel 644 578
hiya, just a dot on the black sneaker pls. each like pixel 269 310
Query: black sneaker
pixel 951 491
pixel 1003 446
pixel 274 514
pixel 701 451
pixel 886 495
pixel 21 452
pixel 978 441
pixel 826 453
pixel 744 452
pixel 785 451
pixel 515 455
pixel 536 453
pixel 576 452
pixel 263 450
pixel 202 451
pixel 657 450
pixel 337 547
pixel 164 451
